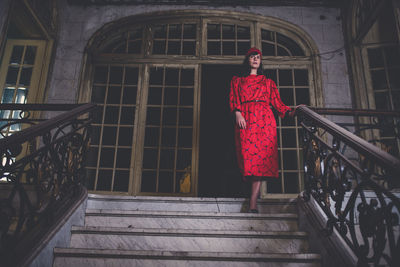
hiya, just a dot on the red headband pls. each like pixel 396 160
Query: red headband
pixel 254 49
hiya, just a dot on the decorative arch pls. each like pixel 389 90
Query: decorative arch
pixel 158 57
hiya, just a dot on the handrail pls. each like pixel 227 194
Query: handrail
pixel 45 126
pixel 355 194
pixel 352 140
pixel 43 176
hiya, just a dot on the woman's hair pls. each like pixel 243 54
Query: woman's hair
pixel 246 69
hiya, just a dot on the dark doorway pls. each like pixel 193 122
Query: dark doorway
pixel 219 175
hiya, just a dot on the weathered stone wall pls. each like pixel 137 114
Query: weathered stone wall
pixel 78 24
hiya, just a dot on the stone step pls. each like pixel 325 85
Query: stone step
pixel 189 240
pixel 78 257
pixel 96 201
pixel 192 220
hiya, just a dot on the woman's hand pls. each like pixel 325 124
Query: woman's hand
pixel 240 121
pixel 293 112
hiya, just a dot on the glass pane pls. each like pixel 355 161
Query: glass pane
pixel 95 138
pixel 186 98
pixel 375 57
pixel 104 180
pixel 123 158
pixel 125 136
pixel 187 76
pixel 26 74
pixel 97 115
pixel 135 34
pixel 168 137
pixel 152 135
pixel 185 116
pixel 213 31
pixel 394 78
pixel 150 158
pixel 290 44
pixel 185 137
pixel 301 77
pixel 175 31
pixel 22 93
pixel 189 48
pixel 116 75
pixel 112 114
pixel 12 75
pixel 291 183
pixel 131 76
pixel 98 94
pixel 396 99
pixel 184 159
pixel 159 47
pixel 127 115
pixel 285 78
pixel 114 95
pixel 154 97
pixel 289 138
pixel 169 116
pixel 174 48
pixel 213 48
pixel 153 116
pixel 100 74
pixel 167 158
pixel 290 160
pixel 268 49
pixel 107 157
pixel 109 135
pixel 120 48
pixel 267 35
pixel 171 76
pixel 92 157
pixel 121 181
pixel 228 31
pixel 302 96
pixel 149 179
pixel 30 55
pixel 16 54
pixel 282 51
pixel 129 95
pixel 243 33
pixel 170 96
pixel 90 174
pixel 287 96
pixel 156 76
pixel 189 31
pixel 166 182
pixel 378 79
pixel 275 185
pixel 160 31
pixel 135 47
pixel 228 48
pixel 243 47
pixel 270 74
pixel 392 54
pixel 381 101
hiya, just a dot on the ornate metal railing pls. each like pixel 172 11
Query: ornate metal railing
pixel 41 172
pixel 341 187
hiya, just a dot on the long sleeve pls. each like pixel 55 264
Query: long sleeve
pixel 234 97
pixel 276 99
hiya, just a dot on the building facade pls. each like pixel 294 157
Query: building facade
pixel 160 73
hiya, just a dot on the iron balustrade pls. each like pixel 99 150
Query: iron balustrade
pixel 42 173
pixel 342 186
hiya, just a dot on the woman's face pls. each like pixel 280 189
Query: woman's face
pixel 254 61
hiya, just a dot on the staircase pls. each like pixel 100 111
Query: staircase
pixel 172 231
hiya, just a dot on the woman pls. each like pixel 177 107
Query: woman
pixel 255 133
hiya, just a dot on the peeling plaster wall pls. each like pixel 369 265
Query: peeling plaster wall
pixel 78 24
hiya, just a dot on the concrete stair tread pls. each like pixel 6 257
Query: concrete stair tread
pixel 186 232
pixel 219 215
pixel 185 255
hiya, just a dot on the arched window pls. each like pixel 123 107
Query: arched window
pixel 154 80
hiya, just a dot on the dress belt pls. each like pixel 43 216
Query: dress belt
pixel 253 101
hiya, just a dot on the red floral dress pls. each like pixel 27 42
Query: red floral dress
pixel 256 146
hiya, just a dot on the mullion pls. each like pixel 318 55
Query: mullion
pixel 161 129
pixel 182 29
pixel 177 129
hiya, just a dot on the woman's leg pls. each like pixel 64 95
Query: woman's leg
pixel 255 190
